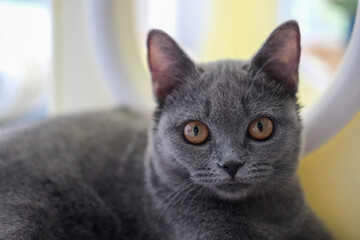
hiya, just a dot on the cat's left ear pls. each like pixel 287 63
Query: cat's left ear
pixel 280 55
pixel 170 67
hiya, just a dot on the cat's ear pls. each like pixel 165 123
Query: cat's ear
pixel 280 55
pixel 169 65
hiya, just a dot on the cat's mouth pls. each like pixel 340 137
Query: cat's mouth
pixel 228 188
pixel 231 189
pixel 232 186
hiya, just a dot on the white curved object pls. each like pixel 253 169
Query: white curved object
pixel 340 102
pixel 321 121
pixel 120 81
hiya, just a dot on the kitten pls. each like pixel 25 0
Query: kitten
pixel 218 160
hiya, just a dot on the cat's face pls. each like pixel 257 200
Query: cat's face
pixel 230 127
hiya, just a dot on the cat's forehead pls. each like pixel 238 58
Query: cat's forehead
pixel 223 80
pixel 224 71
pixel 229 82
pixel 224 88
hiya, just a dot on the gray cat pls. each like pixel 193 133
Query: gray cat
pixel 217 161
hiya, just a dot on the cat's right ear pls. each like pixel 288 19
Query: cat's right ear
pixel 169 65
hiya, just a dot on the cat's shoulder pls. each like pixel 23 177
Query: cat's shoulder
pixel 75 131
pixel 91 121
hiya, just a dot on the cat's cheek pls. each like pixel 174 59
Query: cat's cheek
pixel 274 148
pixel 174 149
pixel 265 152
pixel 192 156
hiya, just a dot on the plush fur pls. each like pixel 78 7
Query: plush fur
pixel 120 175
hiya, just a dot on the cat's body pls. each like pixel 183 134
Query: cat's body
pixel 119 175
pixel 73 187
pixel 82 189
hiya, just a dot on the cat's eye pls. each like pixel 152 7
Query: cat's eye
pixel 195 132
pixel 261 128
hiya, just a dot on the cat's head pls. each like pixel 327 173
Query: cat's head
pixel 231 127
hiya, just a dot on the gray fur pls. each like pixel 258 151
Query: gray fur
pixel 119 175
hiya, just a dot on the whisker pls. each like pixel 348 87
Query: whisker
pixel 187 211
pixel 173 197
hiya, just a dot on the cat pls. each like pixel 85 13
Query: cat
pixel 217 159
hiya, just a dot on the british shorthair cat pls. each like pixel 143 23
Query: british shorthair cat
pixel 216 161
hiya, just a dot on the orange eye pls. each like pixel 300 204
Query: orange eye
pixel 195 132
pixel 261 128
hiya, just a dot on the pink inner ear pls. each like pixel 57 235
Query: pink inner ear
pixel 159 63
pixel 169 65
pixel 288 55
pixel 158 66
pixel 157 59
pixel 287 58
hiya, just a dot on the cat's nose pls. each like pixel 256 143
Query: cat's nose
pixel 231 167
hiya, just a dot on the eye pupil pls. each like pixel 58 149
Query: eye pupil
pixel 196 130
pixel 260 126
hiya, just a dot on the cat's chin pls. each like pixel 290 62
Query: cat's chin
pixel 231 191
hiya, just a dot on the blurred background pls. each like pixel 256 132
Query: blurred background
pixel 55 58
